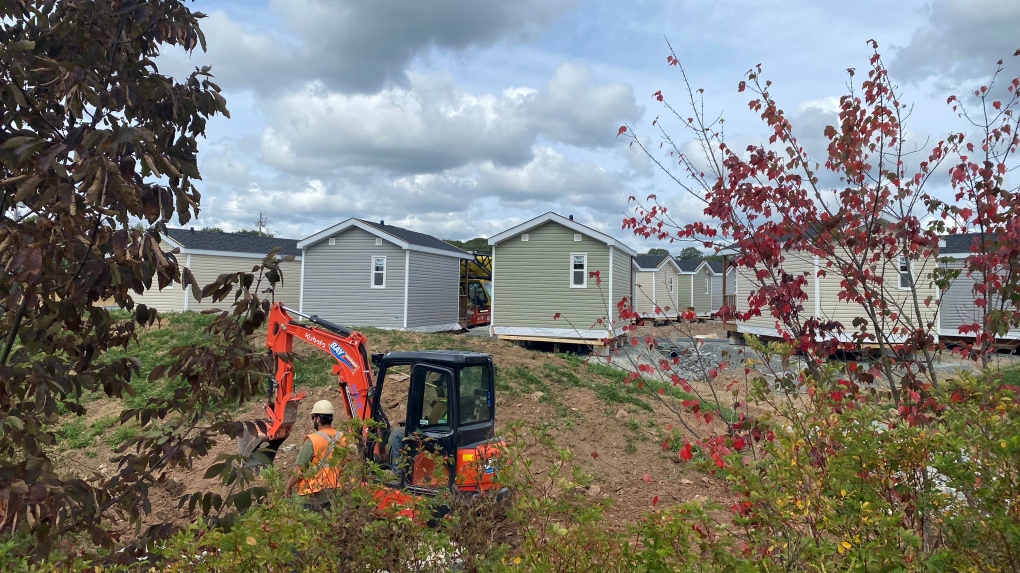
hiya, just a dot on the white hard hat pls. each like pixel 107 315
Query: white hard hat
pixel 323 407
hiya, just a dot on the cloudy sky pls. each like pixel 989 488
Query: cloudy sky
pixel 461 118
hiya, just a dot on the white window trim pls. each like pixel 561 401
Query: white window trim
pixel 524 237
pixel 371 276
pixel 332 241
pixel 900 273
pixel 708 285
pixel 669 285
pixel 584 274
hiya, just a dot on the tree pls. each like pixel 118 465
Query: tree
pixel 478 244
pixel 871 239
pixel 658 251
pixel 212 230
pixel 691 254
pixel 92 138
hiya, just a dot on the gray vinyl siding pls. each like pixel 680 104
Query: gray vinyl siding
pixel 717 288
pixel 684 292
pixel 338 281
pixel 702 286
pixel 623 269
pixel 794 264
pixel 957 304
pixel 532 280
pixel 207 268
pixel 432 299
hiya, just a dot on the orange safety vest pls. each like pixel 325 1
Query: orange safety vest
pixel 325 476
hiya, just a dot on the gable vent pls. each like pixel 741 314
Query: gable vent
pixel 332 241
pixel 524 237
pixel 577 236
pixel 378 241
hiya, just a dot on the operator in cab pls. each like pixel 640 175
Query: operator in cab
pixel 314 479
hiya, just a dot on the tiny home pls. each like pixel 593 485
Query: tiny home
pixel 208 254
pixel 956 306
pixel 823 293
pixel 698 274
pixel 658 289
pixel 361 273
pixel 554 279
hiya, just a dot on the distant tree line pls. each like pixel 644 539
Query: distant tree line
pixel 478 244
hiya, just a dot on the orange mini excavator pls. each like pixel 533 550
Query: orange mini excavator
pixel 451 404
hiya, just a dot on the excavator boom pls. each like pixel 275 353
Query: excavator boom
pixel 351 367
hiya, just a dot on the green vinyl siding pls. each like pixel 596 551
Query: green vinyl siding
pixel 623 269
pixel 702 291
pixel 532 280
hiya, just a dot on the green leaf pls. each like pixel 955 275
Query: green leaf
pixel 22 45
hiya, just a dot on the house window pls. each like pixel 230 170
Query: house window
pixel 332 241
pixel 578 270
pixel 577 237
pixel 669 285
pixel 708 285
pixel 524 237
pixel 378 242
pixel 905 279
pixel 378 272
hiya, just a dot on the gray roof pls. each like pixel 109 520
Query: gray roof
pixel 959 243
pixel 414 237
pixel 716 266
pixel 650 261
pixel 231 242
pixel 688 266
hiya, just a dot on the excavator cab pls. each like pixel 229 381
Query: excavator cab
pixel 447 439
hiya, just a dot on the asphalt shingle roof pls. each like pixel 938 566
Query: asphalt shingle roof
pixel 213 241
pixel 650 261
pixel 688 266
pixel 414 237
pixel 959 243
pixel 716 266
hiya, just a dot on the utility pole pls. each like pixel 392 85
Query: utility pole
pixel 261 222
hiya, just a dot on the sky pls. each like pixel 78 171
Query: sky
pixel 463 118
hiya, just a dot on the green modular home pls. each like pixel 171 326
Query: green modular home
pixel 544 286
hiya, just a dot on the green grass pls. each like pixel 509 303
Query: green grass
pixel 78 434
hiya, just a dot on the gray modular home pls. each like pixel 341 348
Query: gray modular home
pixel 209 254
pixel 658 289
pixel 698 275
pixel 542 282
pixel 361 273
pixel 718 293
pixel 956 306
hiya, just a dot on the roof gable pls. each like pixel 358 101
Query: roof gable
pixel 653 262
pixel 568 223
pixel 226 243
pixel 403 238
pixel 692 267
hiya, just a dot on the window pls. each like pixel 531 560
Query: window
pixel 906 281
pixel 378 242
pixel 332 241
pixel 669 285
pixel 708 285
pixel 474 402
pixel 577 237
pixel 378 272
pixel 434 406
pixel 524 237
pixel 578 270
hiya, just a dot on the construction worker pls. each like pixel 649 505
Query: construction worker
pixel 313 477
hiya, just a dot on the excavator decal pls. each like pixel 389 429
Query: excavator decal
pixel 340 355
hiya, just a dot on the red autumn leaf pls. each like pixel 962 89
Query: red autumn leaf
pixel 685 452
pixel 647 478
pixel 741 86
pixel 622 130
pixel 556 316
pixel 655 500
pixel 662 391
pixel 738 443
pixel 996 104
pixel 595 455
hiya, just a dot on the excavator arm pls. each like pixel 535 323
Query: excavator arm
pixel 351 367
